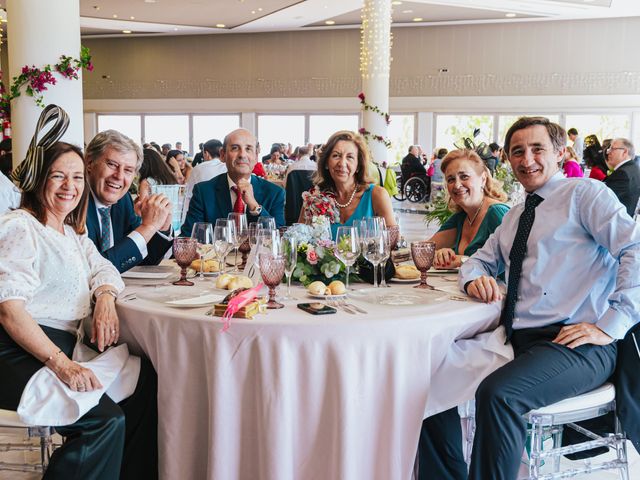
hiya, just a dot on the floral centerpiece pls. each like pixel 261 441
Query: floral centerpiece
pixel 316 260
pixel 316 203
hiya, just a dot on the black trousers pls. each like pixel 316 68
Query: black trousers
pixel 111 441
pixel 542 373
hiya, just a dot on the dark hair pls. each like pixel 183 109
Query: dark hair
pixel 572 131
pixel 593 154
pixel 34 200
pixel 494 146
pixel 6 145
pixel 212 146
pixel 153 166
pixel 441 153
pixel 556 133
pixel 323 179
pixel 274 148
pixel 173 154
pixel 6 163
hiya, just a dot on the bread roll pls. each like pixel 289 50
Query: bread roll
pixel 317 288
pixel 240 281
pixel 224 280
pixel 337 288
pixel 407 272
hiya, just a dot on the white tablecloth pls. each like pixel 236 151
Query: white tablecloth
pixel 291 396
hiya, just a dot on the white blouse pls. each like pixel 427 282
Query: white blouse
pixel 54 274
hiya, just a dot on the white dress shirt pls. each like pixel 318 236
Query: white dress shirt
pixel 137 237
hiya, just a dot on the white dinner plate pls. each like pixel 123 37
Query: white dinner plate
pixel 404 298
pixel 405 280
pixel 150 272
pixel 183 297
pixel 433 271
pixel 327 297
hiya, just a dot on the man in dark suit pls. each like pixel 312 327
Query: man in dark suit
pixel 411 164
pixel 237 190
pixel 625 179
pixel 123 237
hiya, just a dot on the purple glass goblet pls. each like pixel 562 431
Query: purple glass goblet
pixel 272 271
pixel 394 236
pixel 423 253
pixel 185 250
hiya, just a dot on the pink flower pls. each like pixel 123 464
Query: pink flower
pixel 90 67
pixel 361 97
pixel 312 257
pixel 362 131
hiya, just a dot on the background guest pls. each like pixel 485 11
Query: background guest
pixel 571 166
pixel 154 171
pixel 594 158
pixel 625 178
pixel 178 163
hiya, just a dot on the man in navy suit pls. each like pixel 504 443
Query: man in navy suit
pixel 123 237
pixel 625 179
pixel 237 190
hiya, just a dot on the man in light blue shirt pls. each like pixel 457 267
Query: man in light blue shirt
pixel 572 260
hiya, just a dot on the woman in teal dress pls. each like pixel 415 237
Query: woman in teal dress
pixel 342 182
pixel 478 202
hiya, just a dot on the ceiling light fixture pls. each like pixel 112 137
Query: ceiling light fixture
pixel 149 1
pixel 510 15
pixel 132 18
pixel 175 29
pixel 259 9
pixel 96 7
pixel 220 25
pixel 126 31
pixel 330 22
pixel 253 12
pixel 396 2
pixel 418 19
pixel 407 11
pixel 115 16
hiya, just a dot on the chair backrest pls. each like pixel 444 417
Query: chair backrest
pixel 298 181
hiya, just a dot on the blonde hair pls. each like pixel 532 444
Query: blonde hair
pixel 572 154
pixel 492 188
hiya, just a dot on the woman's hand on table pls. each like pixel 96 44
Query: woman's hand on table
pixel 484 288
pixel 106 326
pixel 446 258
pixel 76 376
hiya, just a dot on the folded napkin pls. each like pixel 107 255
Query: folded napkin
pixel 47 400
pixel 202 300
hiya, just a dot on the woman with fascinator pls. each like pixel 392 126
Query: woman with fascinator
pixel 50 274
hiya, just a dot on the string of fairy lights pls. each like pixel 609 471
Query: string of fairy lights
pixel 376 38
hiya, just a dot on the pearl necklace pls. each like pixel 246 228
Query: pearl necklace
pixel 471 220
pixel 353 194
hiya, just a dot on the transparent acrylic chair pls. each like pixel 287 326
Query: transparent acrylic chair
pixel 9 420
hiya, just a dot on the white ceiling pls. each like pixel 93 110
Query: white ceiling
pixel 100 18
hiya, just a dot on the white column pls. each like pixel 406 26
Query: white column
pixel 425 128
pixel 375 62
pixel 39 32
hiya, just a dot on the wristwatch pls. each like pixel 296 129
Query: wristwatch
pixel 257 210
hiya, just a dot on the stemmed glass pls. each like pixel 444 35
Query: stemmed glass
pixel 394 236
pixel 242 233
pixel 202 233
pixel 267 222
pixel 423 253
pixel 184 250
pixel 373 248
pixel 223 238
pixel 289 249
pixel 385 256
pixel 272 271
pixel 347 248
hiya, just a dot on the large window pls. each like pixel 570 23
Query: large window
pixel 505 121
pixel 280 129
pixel 129 125
pixel 207 127
pixel 321 127
pixel 451 129
pixel 167 129
pixel 401 132
pixel 604 126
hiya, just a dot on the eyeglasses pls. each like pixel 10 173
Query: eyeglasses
pixel 611 149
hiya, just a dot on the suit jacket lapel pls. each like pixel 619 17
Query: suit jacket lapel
pixel 93 226
pixel 223 198
pixel 117 217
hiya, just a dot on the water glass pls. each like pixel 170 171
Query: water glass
pixel 386 254
pixel 347 248
pixel 242 234
pixel 202 233
pixel 267 222
pixel 289 249
pixel 223 239
pixel 374 246
pixel 423 253
pixel 272 271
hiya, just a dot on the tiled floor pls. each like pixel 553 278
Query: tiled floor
pixel 413 228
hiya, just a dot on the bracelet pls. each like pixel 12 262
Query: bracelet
pixel 107 291
pixel 51 356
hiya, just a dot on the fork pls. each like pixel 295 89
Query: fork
pixel 335 304
pixel 353 306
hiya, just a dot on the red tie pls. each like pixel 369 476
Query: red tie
pixel 238 207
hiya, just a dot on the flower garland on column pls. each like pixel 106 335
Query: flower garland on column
pixel 373 108
pixel 36 79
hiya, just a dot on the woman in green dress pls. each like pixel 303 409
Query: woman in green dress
pixel 478 202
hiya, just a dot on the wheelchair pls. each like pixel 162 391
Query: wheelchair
pixel 416 189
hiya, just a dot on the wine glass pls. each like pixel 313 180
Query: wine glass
pixel 347 248
pixel 385 256
pixel 272 271
pixel 289 248
pixel 423 253
pixel 373 250
pixel 242 232
pixel 267 222
pixel 202 233
pixel 394 236
pixel 184 250
pixel 222 243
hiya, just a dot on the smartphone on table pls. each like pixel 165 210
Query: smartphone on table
pixel 316 308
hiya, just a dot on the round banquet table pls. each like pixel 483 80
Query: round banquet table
pixel 289 395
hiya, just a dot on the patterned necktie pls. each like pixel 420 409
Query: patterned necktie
pixel 238 207
pixel 516 257
pixel 105 232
